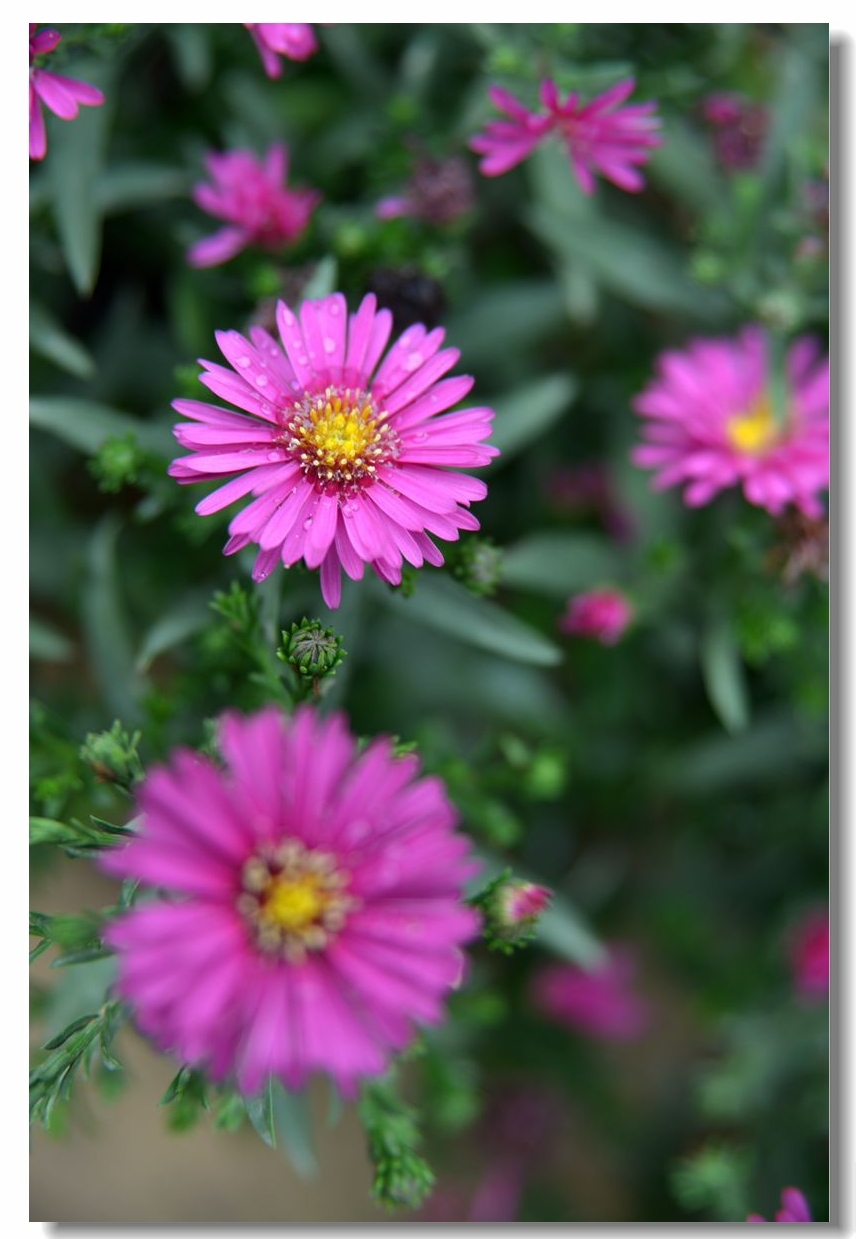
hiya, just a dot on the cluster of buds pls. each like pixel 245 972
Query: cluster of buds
pixel 511 909
pixel 113 756
pixel 740 127
pixel 479 566
pixel 310 650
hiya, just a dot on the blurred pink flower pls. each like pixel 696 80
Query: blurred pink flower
pixel 252 195
pixel 794 1208
pixel 809 956
pixel 599 1003
pixel 348 461
pixel 600 613
pixel 62 95
pixel 740 128
pixel 315 911
pixel 601 136
pixel 588 488
pixel 709 423
pixel 295 40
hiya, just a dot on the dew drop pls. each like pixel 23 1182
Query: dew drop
pixel 302 360
pixel 413 361
pixel 329 345
pixel 261 381
pixel 307 524
pixel 274 456
pixel 349 508
pixel 420 438
pixel 333 309
pixel 243 361
pixel 288 318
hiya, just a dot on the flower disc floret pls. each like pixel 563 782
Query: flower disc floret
pixel 348 450
pixel 309 912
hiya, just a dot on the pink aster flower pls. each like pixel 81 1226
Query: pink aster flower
pixel 740 128
pixel 62 95
pixel 598 1003
pixel 600 613
pixel 309 909
pixel 794 1208
pixel 601 136
pixel 809 956
pixel 347 459
pixel 294 40
pixel 252 196
pixel 710 423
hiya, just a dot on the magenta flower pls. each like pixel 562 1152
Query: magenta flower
pixel 62 95
pixel 809 956
pixel 314 911
pixel 252 195
pixel 794 1208
pixel 598 1003
pixel 294 40
pixel 710 423
pixel 599 613
pixel 601 136
pixel 348 462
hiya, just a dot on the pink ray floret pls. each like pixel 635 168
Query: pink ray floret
pixel 251 194
pixel 348 451
pixel 62 95
pixel 709 423
pixel 601 1002
pixel 309 913
pixel 601 136
pixel 294 40
pixel 794 1208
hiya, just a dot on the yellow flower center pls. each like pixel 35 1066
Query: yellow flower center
pixel 293 899
pixel 754 431
pixel 294 903
pixel 340 438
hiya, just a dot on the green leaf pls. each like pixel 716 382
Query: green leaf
pixel 684 166
pixel 529 412
pixel 191 46
pixel 260 1113
pixel 74 166
pixel 322 281
pixel 724 678
pixel 445 605
pixel 85 425
pixel 633 264
pixel 50 340
pixel 126 186
pixel 105 623
pixel 293 1125
pixel 48 643
pixel 47 830
pixel 518 314
pixel 557 563
pixel 173 627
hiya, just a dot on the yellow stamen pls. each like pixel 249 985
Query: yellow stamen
pixel 755 431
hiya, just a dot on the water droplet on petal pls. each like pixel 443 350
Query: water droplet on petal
pixel 420 438
pixel 329 345
pixel 349 508
pixel 413 361
pixel 302 360
pixel 288 318
pixel 243 361
pixel 307 524
pixel 261 381
pixel 274 455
